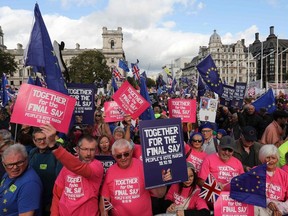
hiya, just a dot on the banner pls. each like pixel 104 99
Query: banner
pixel 113 112
pixel 36 106
pixel 225 206
pixel 130 100
pixel 227 95
pixel 106 160
pixel 162 149
pixel 239 93
pixel 85 97
pixel 182 108
pixel 208 109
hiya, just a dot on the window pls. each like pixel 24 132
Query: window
pixel 112 44
pixel 112 60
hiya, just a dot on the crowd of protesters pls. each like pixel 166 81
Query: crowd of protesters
pixel 49 173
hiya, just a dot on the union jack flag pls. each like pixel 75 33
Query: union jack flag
pixel 107 204
pixel 136 70
pixel 118 76
pixel 210 190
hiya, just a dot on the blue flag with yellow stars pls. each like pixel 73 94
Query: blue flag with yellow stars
pixel 40 54
pixel 250 187
pixel 267 101
pixel 210 75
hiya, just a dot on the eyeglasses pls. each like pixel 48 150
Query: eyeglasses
pixel 39 140
pixel 227 149
pixel 206 131
pixel 199 141
pixel 87 149
pixel 97 115
pixel 125 155
pixel 17 164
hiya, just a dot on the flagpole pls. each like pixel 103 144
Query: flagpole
pixel 276 65
pixel 261 73
pixel 248 74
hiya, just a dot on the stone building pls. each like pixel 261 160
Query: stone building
pixel 112 50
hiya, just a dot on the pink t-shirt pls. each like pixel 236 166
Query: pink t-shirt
pixel 80 194
pixel 126 190
pixel 285 168
pixel 195 203
pixel 223 172
pixel 196 158
pixel 277 185
pixel 137 152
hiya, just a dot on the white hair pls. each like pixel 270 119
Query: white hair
pixel 268 150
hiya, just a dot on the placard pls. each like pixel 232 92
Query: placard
pixel 208 108
pixel 182 108
pixel 162 149
pixel 113 112
pixel 36 106
pixel 130 100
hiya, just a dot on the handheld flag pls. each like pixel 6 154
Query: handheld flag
pixel 172 89
pixel 30 81
pixel 107 204
pixel 148 114
pixel 250 187
pixel 40 53
pixel 114 85
pixel 118 76
pixel 267 100
pixel 210 75
pixel 5 98
pixel 210 190
pixel 135 70
pixel 122 64
pixel 168 72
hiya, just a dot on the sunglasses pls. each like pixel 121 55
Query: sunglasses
pixel 97 115
pixel 227 149
pixel 125 155
pixel 199 141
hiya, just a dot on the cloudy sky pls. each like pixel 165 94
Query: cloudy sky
pixel 155 31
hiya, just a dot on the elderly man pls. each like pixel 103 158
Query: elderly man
pixel 124 185
pixel 76 188
pixel 247 149
pixel 222 165
pixel 210 143
pixel 20 188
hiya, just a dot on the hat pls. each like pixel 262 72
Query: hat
pixel 206 125
pixel 190 165
pixel 196 133
pixel 227 142
pixel 249 133
pixel 222 131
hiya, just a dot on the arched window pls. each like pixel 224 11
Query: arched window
pixel 112 44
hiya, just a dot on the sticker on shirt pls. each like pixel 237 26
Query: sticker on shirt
pixel 226 173
pixel 74 187
pixel 43 166
pixel 179 200
pixel 273 191
pixel 126 189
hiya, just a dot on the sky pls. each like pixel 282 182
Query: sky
pixel 154 31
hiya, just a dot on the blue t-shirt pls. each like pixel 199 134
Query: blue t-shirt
pixel 21 194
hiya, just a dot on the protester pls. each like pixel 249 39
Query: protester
pixel 76 189
pixel 222 165
pixel 21 187
pixel 275 131
pixel 247 149
pixel 221 133
pixel 100 126
pixel 195 154
pixel 183 198
pixel 283 149
pixel 42 160
pixel 104 147
pixel 129 173
pixel 234 129
pixel 276 183
pixel 210 143
pixel 24 136
pixel 285 167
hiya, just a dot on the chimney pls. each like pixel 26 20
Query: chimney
pixel 77 46
pixel 256 36
pixel 243 42
pixel 271 30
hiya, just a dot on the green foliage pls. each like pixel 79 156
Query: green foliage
pixel 150 83
pixel 7 63
pixel 132 81
pixel 88 67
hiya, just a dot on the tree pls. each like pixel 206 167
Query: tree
pixel 89 67
pixel 7 63
pixel 150 83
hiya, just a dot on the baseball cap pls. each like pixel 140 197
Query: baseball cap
pixel 227 142
pixel 249 133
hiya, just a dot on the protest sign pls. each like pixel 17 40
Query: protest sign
pixel 106 160
pixel 85 96
pixel 130 100
pixel 225 206
pixel 182 108
pixel 36 106
pixel 227 95
pixel 208 108
pixel 162 149
pixel 113 112
pixel 238 96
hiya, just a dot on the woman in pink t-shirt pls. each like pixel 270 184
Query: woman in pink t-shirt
pixel 183 198
pixel 276 183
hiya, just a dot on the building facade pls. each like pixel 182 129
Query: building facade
pixel 112 50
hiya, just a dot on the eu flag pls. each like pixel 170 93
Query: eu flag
pixel 5 98
pixel 148 114
pixel 267 101
pixel 210 75
pixel 250 187
pixel 30 81
pixel 40 54
pixel 114 85
pixel 122 64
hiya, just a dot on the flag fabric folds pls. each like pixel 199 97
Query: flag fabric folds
pixel 250 187
pixel 172 89
pixel 118 76
pixel 210 75
pixel 40 54
pixel 5 98
pixel 267 101
pixel 114 85
pixel 148 114
pixel 122 64
pixel 210 191
pixel 135 70
pixel 30 81
pixel 168 72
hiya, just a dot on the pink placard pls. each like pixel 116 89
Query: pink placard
pixel 36 106
pixel 130 100
pixel 113 112
pixel 225 206
pixel 182 108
